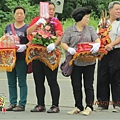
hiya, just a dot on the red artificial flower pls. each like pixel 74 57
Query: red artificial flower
pixel 45 35
pixel 47 27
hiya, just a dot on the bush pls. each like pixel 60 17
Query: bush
pixel 93 22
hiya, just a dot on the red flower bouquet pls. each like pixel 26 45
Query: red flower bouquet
pixel 45 35
pixel 41 38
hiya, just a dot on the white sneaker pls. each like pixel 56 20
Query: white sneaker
pixel 74 111
pixel 116 109
pixel 87 111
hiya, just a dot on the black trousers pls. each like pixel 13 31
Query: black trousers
pixel 40 70
pixel 76 80
pixel 109 76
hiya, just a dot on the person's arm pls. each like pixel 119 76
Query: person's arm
pixel 70 50
pixel 31 29
pixel 34 24
pixel 97 40
pixel 95 46
pixel 117 41
pixel 65 42
pixel 52 46
pixel 57 42
pixel 110 46
pixel 59 32
pixel 64 46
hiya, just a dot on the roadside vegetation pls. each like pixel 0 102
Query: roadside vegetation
pixel 33 9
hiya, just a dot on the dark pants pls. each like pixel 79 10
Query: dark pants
pixel 109 74
pixel 40 70
pixel 76 81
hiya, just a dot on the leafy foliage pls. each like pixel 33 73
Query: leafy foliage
pixel 32 10
pixel 6 12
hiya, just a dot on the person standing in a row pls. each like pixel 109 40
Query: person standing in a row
pixel 20 70
pixel 109 66
pixel 40 70
pixel 69 42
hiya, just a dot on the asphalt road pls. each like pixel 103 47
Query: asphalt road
pixel 66 103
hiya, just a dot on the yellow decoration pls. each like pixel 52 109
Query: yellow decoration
pixel 7 59
pixel 39 52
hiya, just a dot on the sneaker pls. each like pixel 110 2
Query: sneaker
pixel 74 111
pixel 53 109
pixel 87 111
pixel 10 107
pixel 100 109
pixel 19 108
pixel 116 109
pixel 38 108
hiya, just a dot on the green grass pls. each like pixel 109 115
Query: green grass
pixel 70 21
pixel 67 23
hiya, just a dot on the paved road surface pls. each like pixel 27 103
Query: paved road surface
pixel 66 103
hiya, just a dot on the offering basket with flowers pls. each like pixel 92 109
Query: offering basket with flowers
pixel 83 53
pixel 83 49
pixel 41 38
pixel 8 52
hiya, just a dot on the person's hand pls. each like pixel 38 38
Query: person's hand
pixel 41 21
pixel 72 51
pixel 50 47
pixel 21 48
pixel 95 47
pixel 109 47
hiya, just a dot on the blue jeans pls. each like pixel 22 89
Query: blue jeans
pixel 20 72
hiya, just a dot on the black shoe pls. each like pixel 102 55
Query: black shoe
pixel 19 108
pixel 10 107
pixel 101 109
pixel 38 108
pixel 53 109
